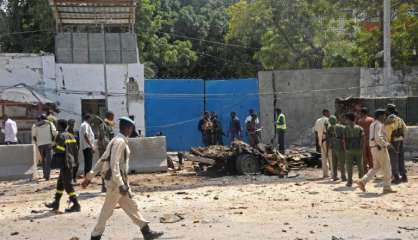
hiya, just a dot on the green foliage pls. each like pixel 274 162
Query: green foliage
pixel 292 34
pixel 27 16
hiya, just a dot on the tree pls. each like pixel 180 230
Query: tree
pixel 292 34
pixel 34 19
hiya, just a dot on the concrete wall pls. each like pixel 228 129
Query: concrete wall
pixel 373 85
pixel 89 77
pixel 17 162
pixel 89 47
pixel 411 143
pixel 302 95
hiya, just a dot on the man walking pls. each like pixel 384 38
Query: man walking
pixel 334 136
pixel 43 135
pixel 353 146
pixel 379 147
pixel 234 132
pixel 114 165
pixel 87 143
pixel 66 150
pixel 281 129
pixel 320 129
pixel 205 127
pixel 395 129
pixel 365 121
pixel 9 131
pixel 105 134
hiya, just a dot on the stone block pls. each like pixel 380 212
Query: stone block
pixel 17 161
pixel 148 154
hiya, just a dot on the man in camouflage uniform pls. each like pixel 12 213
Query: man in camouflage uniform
pixel 353 146
pixel 334 136
pixel 104 136
pixel 253 129
pixel 205 126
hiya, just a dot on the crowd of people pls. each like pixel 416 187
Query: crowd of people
pixel 210 126
pixel 347 141
pixel 370 144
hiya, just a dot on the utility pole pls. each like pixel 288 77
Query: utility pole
pixel 387 71
pixel 105 69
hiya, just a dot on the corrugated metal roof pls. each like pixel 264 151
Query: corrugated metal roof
pixel 22 93
pixel 94 11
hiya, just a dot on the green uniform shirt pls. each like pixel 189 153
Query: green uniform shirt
pixel 353 136
pixel 335 134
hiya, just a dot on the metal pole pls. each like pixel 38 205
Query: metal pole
pixel 105 69
pixel 387 42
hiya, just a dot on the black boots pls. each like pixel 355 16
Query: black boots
pixel 396 180
pixel 55 205
pixel 75 207
pixel 96 237
pixel 404 178
pixel 149 234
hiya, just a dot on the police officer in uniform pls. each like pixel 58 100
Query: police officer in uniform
pixel 66 150
pixel 334 139
pixel 114 165
pixel 353 146
pixel 105 134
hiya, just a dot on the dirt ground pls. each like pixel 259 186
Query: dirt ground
pixel 243 207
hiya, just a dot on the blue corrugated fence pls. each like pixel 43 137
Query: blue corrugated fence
pixel 174 106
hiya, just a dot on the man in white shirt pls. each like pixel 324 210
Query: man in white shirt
pixel 10 131
pixel 87 143
pixel 379 147
pixel 320 129
pixel 249 117
pixel 43 135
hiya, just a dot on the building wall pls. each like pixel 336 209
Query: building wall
pixel 373 85
pixel 302 95
pixel 68 83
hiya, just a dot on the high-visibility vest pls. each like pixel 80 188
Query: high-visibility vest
pixel 278 124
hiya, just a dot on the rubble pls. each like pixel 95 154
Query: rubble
pixel 241 158
pixel 171 218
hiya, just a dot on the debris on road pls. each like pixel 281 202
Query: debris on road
pixel 241 158
pixel 171 218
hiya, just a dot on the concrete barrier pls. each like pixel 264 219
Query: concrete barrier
pixel 148 154
pixel 17 161
pixel 411 143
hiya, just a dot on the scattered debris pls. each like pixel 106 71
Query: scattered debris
pixel 171 218
pixel 241 158
pixel 14 233
pixel 407 228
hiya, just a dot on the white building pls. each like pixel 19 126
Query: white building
pixel 90 72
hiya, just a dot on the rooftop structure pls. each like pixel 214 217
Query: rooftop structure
pixel 97 12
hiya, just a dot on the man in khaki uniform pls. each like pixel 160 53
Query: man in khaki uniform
pixel 320 130
pixel 379 147
pixel 114 165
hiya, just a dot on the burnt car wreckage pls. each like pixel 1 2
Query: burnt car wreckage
pixel 240 158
